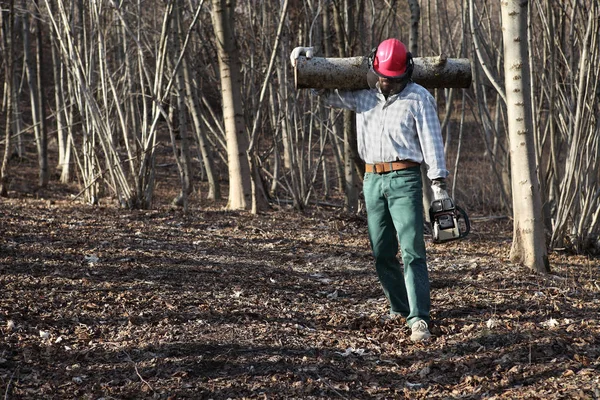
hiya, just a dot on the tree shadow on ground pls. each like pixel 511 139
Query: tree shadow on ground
pixel 224 305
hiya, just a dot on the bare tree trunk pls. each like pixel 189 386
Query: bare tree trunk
pixel 415 17
pixel 482 59
pixel 576 220
pixel 350 155
pixel 62 128
pixel 7 28
pixel 147 172
pixel 41 96
pixel 131 110
pixel 286 134
pixel 276 111
pixel 214 189
pixel 183 154
pixel 259 198
pixel 335 135
pixel 237 142
pixel 529 245
pixel 33 81
pixel 344 28
pixel 336 125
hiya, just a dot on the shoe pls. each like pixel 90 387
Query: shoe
pixel 420 331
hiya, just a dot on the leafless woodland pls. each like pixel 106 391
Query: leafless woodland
pixel 94 85
pixel 151 148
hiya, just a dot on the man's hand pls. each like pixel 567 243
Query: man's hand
pixel 301 51
pixel 438 187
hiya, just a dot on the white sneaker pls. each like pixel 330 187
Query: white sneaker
pixel 420 331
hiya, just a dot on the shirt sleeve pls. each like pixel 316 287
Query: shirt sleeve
pixel 430 138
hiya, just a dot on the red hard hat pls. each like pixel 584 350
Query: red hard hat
pixel 391 59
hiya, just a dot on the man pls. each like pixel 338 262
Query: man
pixel 397 129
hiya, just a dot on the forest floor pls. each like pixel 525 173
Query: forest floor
pixel 103 303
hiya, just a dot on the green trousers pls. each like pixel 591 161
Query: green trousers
pixel 394 204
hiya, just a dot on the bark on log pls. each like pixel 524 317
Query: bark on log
pixel 350 73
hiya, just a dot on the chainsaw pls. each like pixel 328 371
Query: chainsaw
pixel 449 221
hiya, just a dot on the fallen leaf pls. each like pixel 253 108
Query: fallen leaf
pixel 92 259
pixel 551 323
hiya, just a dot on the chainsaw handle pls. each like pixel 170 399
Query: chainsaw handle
pixel 463 214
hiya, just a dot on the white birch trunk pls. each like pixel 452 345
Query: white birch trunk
pixel 237 141
pixel 62 127
pixel 529 246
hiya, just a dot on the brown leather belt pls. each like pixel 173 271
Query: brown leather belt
pixel 382 168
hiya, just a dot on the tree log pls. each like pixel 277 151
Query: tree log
pixel 350 73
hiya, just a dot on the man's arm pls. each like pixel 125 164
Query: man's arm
pixel 430 138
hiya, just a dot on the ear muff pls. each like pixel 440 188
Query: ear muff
pixel 410 66
pixel 371 58
pixel 372 79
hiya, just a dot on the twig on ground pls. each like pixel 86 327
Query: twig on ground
pixel 516 289
pixel 331 387
pixel 6 392
pixel 138 372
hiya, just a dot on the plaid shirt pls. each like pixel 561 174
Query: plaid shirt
pixel 405 127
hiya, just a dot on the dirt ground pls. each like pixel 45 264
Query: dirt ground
pixel 103 303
